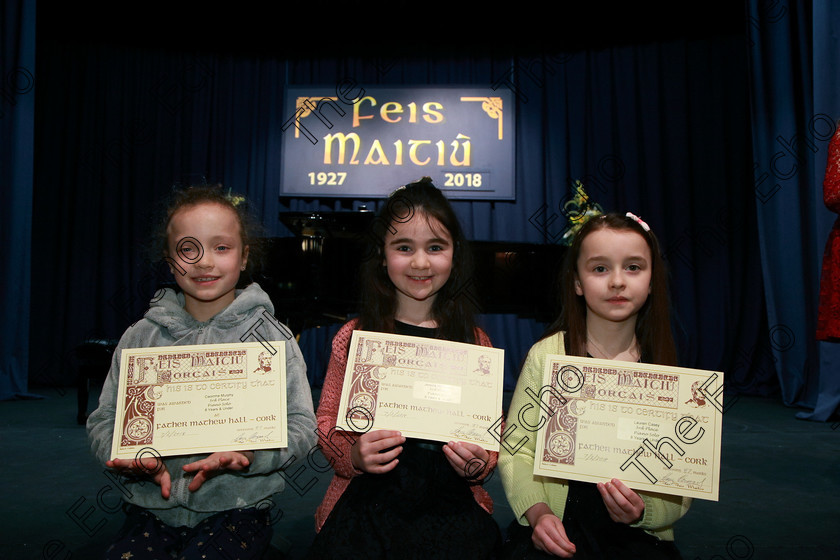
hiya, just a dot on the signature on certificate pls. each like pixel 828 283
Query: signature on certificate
pixel 684 481
pixel 254 436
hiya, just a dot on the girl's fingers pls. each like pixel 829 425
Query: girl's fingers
pixel 374 458
pixel 626 499
pixel 153 467
pixel 455 461
pixel 204 469
pixel 550 536
pixel 165 483
pixel 458 461
pixel 608 494
pixel 629 494
pixel 382 448
pixel 605 493
pixel 452 455
pixel 553 544
pixel 381 469
pixel 148 465
pixel 623 504
pixel 468 451
pixel 376 435
pixel 382 439
pixel 231 460
pixel 199 479
pixel 386 457
pixel 199 465
pixel 466 458
pixel 376 452
pixel 122 464
pixel 386 443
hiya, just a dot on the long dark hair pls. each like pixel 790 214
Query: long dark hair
pixel 653 323
pixel 453 308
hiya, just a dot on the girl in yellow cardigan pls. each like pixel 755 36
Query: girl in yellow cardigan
pixel 615 307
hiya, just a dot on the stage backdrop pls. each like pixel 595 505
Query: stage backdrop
pixel 660 129
pixel 17 138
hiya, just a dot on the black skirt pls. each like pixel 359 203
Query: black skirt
pixel 595 536
pixel 420 509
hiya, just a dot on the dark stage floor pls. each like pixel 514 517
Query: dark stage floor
pixel 780 483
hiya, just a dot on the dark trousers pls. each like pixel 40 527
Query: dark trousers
pixel 236 534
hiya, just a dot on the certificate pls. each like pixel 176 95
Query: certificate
pixel 180 400
pixel 655 428
pixel 425 388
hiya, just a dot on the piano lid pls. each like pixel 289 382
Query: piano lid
pixel 313 278
pixel 328 224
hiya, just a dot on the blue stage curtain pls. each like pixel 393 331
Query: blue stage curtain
pixel 659 128
pixel 17 129
pixel 795 99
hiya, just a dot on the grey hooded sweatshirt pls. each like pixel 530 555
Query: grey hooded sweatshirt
pixel 167 323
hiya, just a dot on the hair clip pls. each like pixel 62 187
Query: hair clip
pixel 638 220
pixel 234 199
pixel 579 210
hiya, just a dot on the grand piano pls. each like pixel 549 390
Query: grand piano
pixel 312 278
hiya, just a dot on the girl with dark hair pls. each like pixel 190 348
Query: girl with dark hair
pixel 392 496
pixel 615 306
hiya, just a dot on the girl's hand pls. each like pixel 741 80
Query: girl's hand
pixel 215 463
pixel 549 534
pixel 468 459
pixel 623 504
pixel 369 453
pixel 151 466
